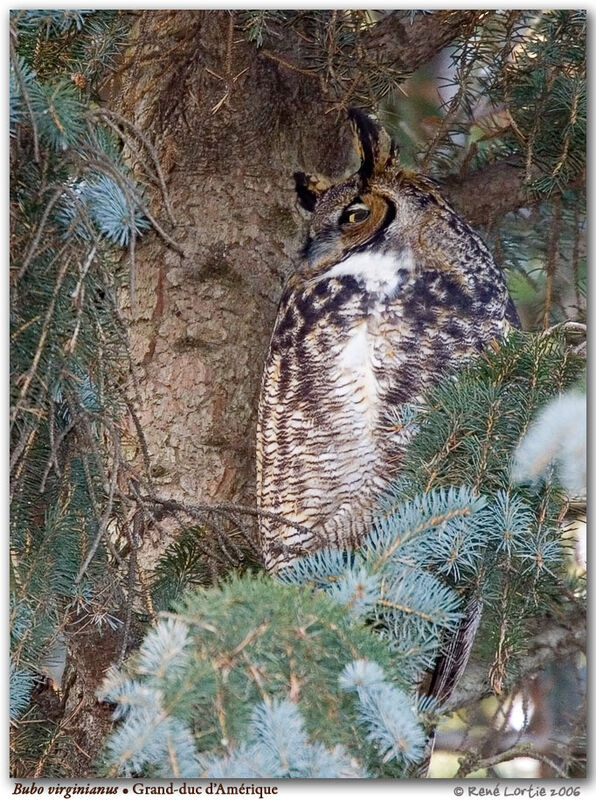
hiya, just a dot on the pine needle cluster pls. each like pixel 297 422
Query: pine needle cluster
pixel 74 204
pixel 261 679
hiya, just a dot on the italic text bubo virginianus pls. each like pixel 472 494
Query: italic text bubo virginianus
pixel 393 291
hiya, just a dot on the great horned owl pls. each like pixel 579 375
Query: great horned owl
pixel 393 291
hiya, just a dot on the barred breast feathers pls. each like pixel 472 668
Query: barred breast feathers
pixel 393 291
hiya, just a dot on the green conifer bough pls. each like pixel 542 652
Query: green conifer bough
pixel 257 655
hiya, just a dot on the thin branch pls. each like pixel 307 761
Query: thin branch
pixel 310 73
pixel 39 230
pixel 552 642
pixel 472 763
pixel 551 264
pixel 133 533
pixel 493 191
pixel 191 508
pixel 465 741
pixel 42 339
pixel 105 518
pixel 109 118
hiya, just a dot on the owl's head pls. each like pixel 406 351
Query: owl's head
pixel 373 210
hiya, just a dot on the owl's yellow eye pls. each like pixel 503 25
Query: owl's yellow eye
pixel 355 212
pixel 359 215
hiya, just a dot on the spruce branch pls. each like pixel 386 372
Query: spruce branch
pixel 249 697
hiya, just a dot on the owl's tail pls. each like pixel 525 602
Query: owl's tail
pixel 448 670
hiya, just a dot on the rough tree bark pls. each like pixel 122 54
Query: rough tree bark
pixel 230 126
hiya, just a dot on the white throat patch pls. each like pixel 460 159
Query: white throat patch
pixel 380 273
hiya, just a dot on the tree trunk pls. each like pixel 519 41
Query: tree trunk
pixel 230 125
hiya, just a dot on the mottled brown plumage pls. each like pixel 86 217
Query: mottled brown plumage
pixel 394 290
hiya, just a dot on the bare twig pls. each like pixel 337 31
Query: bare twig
pixel 473 762
pixel 551 264
pixel 105 517
pixel 39 230
pixel 133 533
pixel 569 326
pixel 42 340
pixel 202 508
pixel 311 73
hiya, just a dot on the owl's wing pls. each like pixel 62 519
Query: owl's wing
pixel 448 670
pixel 454 657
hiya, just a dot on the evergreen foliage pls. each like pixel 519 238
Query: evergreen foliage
pixel 518 91
pixel 260 676
pixel 470 424
pixel 277 747
pixel 73 204
pixel 468 431
pixel 517 87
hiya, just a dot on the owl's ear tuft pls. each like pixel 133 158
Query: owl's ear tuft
pixel 376 148
pixel 309 188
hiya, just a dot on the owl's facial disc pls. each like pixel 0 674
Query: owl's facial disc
pixel 345 221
